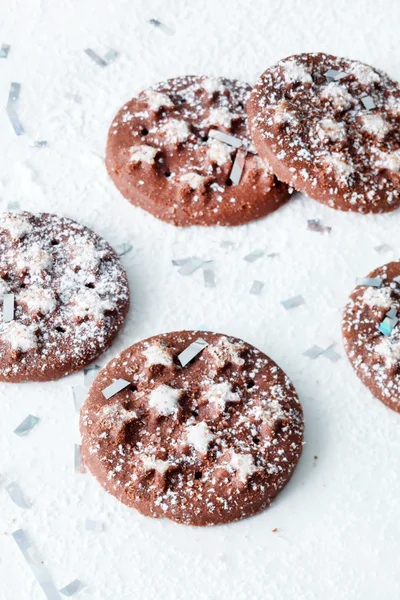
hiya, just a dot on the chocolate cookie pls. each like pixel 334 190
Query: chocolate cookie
pixel 330 127
pixel 177 150
pixel 63 296
pixel 372 335
pixel 206 443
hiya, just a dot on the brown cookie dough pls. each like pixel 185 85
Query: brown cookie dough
pixel 318 136
pixel 208 443
pixel 375 354
pixel 70 296
pixel 162 158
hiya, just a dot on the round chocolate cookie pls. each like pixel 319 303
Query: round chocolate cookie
pixel 330 127
pixel 63 296
pixel 371 333
pixel 202 444
pixel 162 156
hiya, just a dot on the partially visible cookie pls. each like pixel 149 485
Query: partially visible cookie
pixel 371 333
pixel 330 127
pixel 162 157
pixel 207 443
pixel 66 292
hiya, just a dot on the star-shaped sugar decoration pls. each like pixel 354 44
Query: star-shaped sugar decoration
pixel 243 465
pixel 150 463
pixel 220 394
pixel 165 400
pixel 156 354
pixel 199 436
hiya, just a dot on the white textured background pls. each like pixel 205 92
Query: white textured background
pixel 338 520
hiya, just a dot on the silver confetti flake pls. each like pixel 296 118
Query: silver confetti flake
pixel 316 225
pixel 8 308
pixel 4 50
pixel 227 244
pixel 192 351
pixel 231 140
pixel 78 395
pixel 72 588
pixel 313 352
pixel 26 426
pixel 368 102
pixel 38 144
pixel 123 249
pixel 95 57
pixel 292 302
pixel 237 168
pixel 11 108
pixel 383 248
pixel 78 461
pixel 331 354
pixel 16 495
pixel 256 287
pixel 37 567
pixel 209 278
pixel 90 374
pixel 333 75
pixel 369 281
pixel 114 388
pixel 191 265
pixel 158 25
pixel 253 256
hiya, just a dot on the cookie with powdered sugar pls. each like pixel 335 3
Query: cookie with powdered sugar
pixel 162 156
pixel 330 127
pixel 63 296
pixel 371 333
pixel 206 443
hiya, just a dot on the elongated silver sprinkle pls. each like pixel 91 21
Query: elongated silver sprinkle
pixel 231 140
pixel 331 354
pixel 333 75
pixel 178 262
pixel 78 462
pixel 156 23
pixel 313 352
pixel 273 255
pixel 122 249
pixel 78 395
pixel 90 374
pixel 316 225
pixel 4 50
pixel 110 56
pixel 293 302
pixel 368 102
pixel 191 351
pixel 95 57
pixel 383 248
pixel 8 308
pixel 191 266
pixel 16 495
pixel 37 567
pixel 72 588
pixel 11 108
pixel 96 526
pixel 257 287
pixel 114 388
pixel 209 278
pixel 26 426
pixel 38 144
pixel 254 255
pixel 237 168
pixel 369 281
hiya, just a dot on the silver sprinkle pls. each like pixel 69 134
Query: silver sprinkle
pixel 26 426
pixel 16 495
pixel 237 168
pixel 313 352
pixel 392 313
pixel 209 278
pixel 191 265
pixel 96 526
pixel 156 23
pixel 333 75
pixel 38 144
pixel 254 255
pixel 178 262
pixel 4 50
pixel 231 140
pixel 90 374
pixel 256 287
pixel 331 354
pixel 13 206
pixel 39 570
pixel 293 302
pixel 316 225
pixel 191 351
pixel 227 244
pixel 383 248
pixel 78 461
pixel 273 254
pixel 13 97
pixel 122 249
pixel 72 588
pixel 110 56
pixel 8 308
pixel 95 57
pixel 368 102
pixel 78 394
pixel 369 281
pixel 114 388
